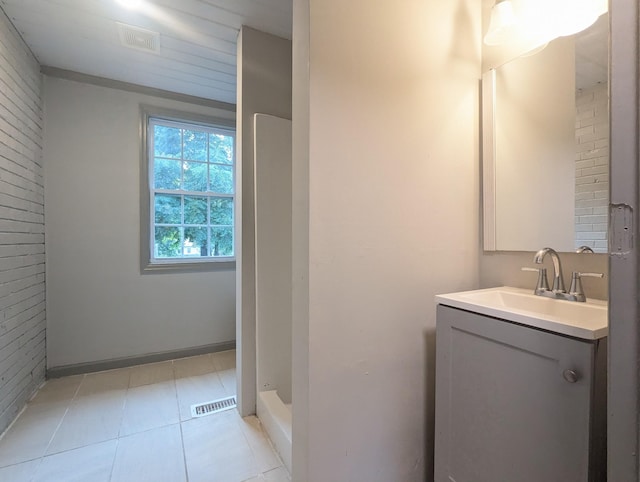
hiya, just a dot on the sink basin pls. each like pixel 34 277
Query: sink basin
pixel 587 320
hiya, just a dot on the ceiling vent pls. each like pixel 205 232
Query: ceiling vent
pixel 139 38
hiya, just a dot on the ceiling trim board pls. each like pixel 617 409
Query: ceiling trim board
pixel 139 89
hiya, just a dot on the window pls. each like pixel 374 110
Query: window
pixel 191 203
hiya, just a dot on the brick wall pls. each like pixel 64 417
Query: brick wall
pixel 22 259
pixel 592 167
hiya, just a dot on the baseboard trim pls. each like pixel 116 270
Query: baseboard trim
pixel 98 366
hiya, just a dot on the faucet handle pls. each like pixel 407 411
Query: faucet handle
pixel 542 285
pixel 576 285
pixel 588 275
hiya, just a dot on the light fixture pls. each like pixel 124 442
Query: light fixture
pixel 573 16
pixel 502 24
pixel 130 4
pixel 534 23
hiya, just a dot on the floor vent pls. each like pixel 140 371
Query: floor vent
pixel 202 409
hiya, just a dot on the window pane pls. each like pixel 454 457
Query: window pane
pixel 167 141
pixel 221 149
pixel 222 241
pixel 221 210
pixel 195 176
pixel 167 242
pixel 168 209
pixel 195 242
pixel 221 179
pixel 195 145
pixel 166 174
pixel 192 187
pixel 195 210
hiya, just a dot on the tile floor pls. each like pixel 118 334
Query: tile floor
pixel 135 424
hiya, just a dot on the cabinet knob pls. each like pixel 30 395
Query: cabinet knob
pixel 571 376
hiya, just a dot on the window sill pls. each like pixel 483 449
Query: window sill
pixel 191 267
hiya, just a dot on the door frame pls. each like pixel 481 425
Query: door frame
pixel 624 327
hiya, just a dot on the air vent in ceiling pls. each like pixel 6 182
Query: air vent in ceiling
pixel 139 38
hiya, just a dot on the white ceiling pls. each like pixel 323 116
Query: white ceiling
pixel 197 54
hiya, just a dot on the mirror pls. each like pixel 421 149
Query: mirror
pixel 546 147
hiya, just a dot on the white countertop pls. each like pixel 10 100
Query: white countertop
pixel 587 320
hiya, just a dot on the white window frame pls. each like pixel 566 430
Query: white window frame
pixel 148 263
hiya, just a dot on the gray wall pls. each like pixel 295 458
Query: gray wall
pixel 389 173
pixel 272 172
pixel 22 260
pixel 264 86
pixel 101 307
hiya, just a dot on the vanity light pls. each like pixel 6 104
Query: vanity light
pixel 537 22
pixel 574 16
pixel 502 23
pixel 130 4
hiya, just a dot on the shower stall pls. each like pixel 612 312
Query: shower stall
pixel 272 198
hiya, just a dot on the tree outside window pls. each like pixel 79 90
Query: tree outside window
pixel 191 169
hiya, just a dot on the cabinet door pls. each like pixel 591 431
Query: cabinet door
pixel 504 410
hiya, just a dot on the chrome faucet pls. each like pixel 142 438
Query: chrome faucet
pixel 558 280
pixel 558 290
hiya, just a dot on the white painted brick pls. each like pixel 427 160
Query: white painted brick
pixel 590 171
pixel 584 196
pixel 19 320
pixel 601 92
pixel 22 259
pixel 20 238
pixel 589 121
pixel 585 98
pixel 601 210
pixel 594 219
pixel 584 228
pixel 582 164
pixel 591 235
pixel 592 187
pixel 17 262
pixel 19 375
pixel 602 109
pixel 585 114
pixel 602 194
pixel 20 250
pixel 589 137
pixel 592 151
pixel 584 131
pixel 35 322
pixel 596 204
pixel 586 180
pixel 584 211
pixel 586 147
pixel 601 130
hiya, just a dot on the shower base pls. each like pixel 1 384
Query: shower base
pixel 275 416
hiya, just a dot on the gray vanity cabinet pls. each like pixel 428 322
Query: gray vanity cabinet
pixel 517 404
